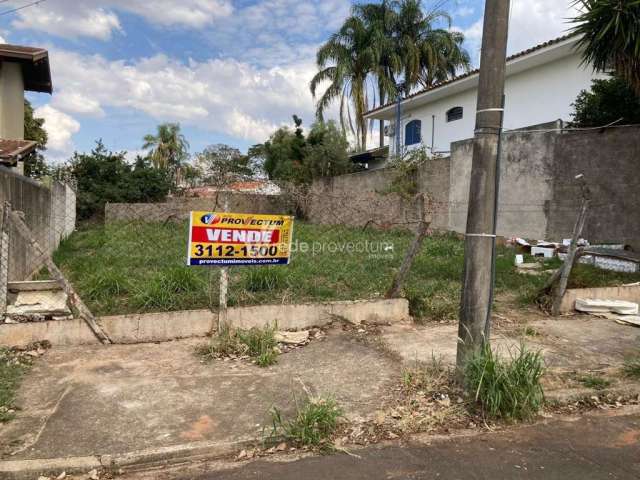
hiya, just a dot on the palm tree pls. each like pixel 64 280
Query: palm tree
pixel 345 61
pixel 610 32
pixel 429 55
pixel 442 57
pixel 380 20
pixel 168 147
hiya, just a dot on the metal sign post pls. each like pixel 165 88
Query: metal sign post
pixel 224 283
pixel 223 239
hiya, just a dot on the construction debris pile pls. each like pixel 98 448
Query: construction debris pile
pixel 36 301
pixel 614 257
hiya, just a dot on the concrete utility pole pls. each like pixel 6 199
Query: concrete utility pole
pixel 480 237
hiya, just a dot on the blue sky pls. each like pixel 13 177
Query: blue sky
pixel 228 71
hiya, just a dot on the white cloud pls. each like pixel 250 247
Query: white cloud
pixel 219 95
pixel 60 129
pixel 463 11
pixel 75 102
pixel 98 18
pixel 2 40
pixel 69 20
pixel 531 22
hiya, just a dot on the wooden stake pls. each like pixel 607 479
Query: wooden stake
pixel 4 257
pixel 414 249
pixel 565 270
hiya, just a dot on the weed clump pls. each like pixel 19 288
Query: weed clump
pixel 258 343
pixel 313 425
pixel 11 370
pixel 631 368
pixel 507 389
pixel 595 382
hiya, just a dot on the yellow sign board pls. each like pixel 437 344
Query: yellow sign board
pixel 239 239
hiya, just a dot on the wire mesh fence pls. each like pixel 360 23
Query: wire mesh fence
pixel 35 219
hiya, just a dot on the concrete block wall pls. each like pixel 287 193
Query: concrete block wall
pixel 178 209
pixel 539 197
pixel 364 198
pixel 48 211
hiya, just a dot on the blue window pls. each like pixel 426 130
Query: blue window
pixel 412 132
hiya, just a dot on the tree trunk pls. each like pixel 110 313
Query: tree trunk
pixel 414 249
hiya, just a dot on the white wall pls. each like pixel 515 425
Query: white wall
pixel 11 101
pixel 539 95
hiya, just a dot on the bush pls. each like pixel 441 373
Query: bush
pixel 103 176
pixel 511 389
pixel 314 423
pixel 608 101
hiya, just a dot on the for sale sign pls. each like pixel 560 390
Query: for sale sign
pixel 239 239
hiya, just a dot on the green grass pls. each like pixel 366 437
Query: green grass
pixel 11 371
pixel 595 382
pixel 313 424
pixel 141 267
pixel 509 389
pixel 259 344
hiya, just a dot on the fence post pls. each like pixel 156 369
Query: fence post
pixel 4 257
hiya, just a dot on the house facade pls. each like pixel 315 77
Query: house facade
pixel 540 86
pixel 21 69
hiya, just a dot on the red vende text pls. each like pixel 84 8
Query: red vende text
pixel 232 235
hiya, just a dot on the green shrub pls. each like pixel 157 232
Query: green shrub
pixel 264 279
pixel 507 389
pixel 314 423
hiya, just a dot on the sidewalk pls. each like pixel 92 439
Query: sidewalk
pixel 156 401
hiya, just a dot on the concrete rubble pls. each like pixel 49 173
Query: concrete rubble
pixel 595 305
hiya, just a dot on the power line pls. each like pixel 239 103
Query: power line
pixel 13 10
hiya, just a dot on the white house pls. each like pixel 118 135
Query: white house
pixel 541 84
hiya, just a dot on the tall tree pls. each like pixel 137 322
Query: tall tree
pixel 381 20
pixel 378 44
pixel 610 32
pixel 429 54
pixel 345 61
pixel 168 147
pixel 222 164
